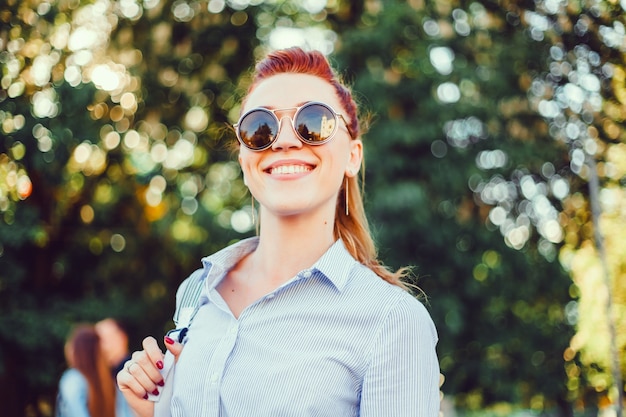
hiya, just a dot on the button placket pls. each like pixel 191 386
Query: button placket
pixel 218 362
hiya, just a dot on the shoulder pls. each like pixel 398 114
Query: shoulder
pixel 409 313
pixel 73 375
pixel 190 290
pixel 396 307
pixel 193 280
pixel 365 281
pixel 72 381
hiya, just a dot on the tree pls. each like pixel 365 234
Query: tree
pixel 582 97
pixel 116 173
pixel 112 173
pixel 451 111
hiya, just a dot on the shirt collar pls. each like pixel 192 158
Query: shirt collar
pixel 225 259
pixel 335 264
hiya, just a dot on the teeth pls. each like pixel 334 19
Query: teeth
pixel 290 169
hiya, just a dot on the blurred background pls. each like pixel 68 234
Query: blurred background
pixel 495 165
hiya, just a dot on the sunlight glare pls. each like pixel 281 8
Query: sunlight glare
pixel 448 93
pixel 310 38
pixel 442 58
pixel 313 6
pixel 105 78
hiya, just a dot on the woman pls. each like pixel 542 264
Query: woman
pixel 85 388
pixel 302 320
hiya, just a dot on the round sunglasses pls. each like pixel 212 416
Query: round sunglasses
pixel 314 123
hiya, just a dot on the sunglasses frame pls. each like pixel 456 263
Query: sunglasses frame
pixel 279 121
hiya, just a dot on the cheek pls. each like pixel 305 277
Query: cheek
pixel 340 157
pixel 247 161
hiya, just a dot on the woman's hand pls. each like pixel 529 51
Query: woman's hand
pixel 141 375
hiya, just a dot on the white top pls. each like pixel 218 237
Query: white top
pixel 334 341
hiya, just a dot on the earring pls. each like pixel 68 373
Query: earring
pixel 252 210
pixel 346 188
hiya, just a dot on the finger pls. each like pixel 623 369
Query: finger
pixel 154 355
pixel 129 385
pixel 139 404
pixel 145 365
pixel 136 377
pixel 173 346
pixel 146 376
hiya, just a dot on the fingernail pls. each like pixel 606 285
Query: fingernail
pixel 169 340
pixel 159 364
pixel 162 383
pixel 145 397
pixel 155 392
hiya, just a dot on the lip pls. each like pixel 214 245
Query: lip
pixel 289 168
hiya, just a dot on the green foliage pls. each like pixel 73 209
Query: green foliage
pixel 116 173
pixel 499 311
pixel 84 244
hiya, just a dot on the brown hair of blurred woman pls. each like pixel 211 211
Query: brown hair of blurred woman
pixel 83 352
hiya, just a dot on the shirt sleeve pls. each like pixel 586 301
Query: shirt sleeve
pixel 73 391
pixel 402 378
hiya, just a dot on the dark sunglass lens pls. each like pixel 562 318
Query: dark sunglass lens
pixel 258 129
pixel 315 123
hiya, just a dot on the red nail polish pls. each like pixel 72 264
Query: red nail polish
pixel 159 364
pixel 169 340
pixel 155 392
pixel 145 397
pixel 161 383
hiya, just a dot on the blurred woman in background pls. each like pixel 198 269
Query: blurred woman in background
pixel 86 388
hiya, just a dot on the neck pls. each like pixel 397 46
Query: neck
pixel 290 244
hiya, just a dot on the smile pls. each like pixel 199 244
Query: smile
pixel 290 169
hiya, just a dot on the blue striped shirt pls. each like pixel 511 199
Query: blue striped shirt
pixel 334 341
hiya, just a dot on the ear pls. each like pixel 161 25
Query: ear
pixel 356 158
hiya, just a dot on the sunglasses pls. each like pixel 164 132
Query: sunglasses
pixel 314 123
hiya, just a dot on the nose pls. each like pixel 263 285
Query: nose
pixel 286 136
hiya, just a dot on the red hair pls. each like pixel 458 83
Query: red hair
pixel 296 60
pixel 353 229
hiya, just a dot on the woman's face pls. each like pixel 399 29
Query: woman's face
pixel 291 177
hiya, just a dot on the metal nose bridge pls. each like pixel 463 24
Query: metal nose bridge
pixel 291 119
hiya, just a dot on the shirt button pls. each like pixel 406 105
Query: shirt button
pixel 214 378
pixel 307 274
